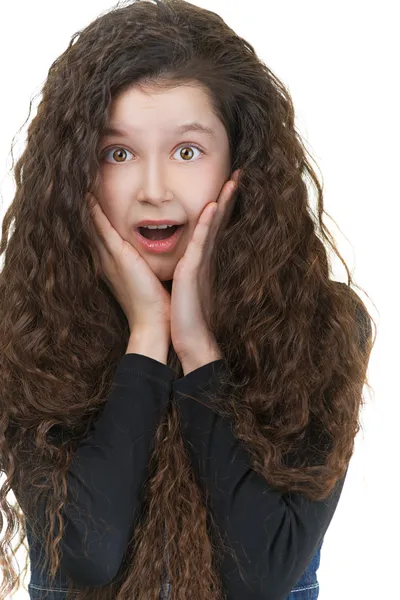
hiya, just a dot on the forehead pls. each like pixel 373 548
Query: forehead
pixel 176 110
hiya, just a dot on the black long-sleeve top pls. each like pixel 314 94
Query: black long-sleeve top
pixel 274 535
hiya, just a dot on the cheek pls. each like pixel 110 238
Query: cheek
pixel 196 209
pixel 113 186
pixel 187 232
pixel 117 217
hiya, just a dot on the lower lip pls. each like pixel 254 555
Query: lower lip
pixel 160 245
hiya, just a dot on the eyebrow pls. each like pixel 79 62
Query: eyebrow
pixel 112 130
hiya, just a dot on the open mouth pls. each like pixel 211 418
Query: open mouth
pixel 158 234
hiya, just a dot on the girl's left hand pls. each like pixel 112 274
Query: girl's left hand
pixel 191 288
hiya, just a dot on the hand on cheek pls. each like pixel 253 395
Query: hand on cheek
pixel 191 290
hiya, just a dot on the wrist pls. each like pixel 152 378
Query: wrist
pixel 202 356
pixel 149 343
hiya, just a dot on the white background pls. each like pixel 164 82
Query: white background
pixel 338 60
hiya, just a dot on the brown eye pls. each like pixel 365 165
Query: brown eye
pixel 118 154
pixel 186 152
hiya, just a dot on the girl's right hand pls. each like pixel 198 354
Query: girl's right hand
pixel 142 296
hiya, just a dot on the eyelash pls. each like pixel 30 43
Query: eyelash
pixel 104 152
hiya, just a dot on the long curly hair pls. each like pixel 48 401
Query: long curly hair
pixel 296 363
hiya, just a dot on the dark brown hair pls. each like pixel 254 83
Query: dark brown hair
pixel 297 362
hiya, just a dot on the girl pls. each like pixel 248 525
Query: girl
pixel 179 405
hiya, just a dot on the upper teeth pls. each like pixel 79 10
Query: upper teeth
pixel 157 226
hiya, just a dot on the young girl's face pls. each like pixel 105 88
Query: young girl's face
pixel 151 170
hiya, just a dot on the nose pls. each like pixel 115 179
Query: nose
pixel 154 188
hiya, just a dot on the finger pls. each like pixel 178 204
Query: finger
pixel 97 237
pixel 195 249
pixel 104 253
pixel 223 204
pixel 108 236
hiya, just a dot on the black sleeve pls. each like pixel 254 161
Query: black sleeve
pixel 274 535
pixel 109 469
